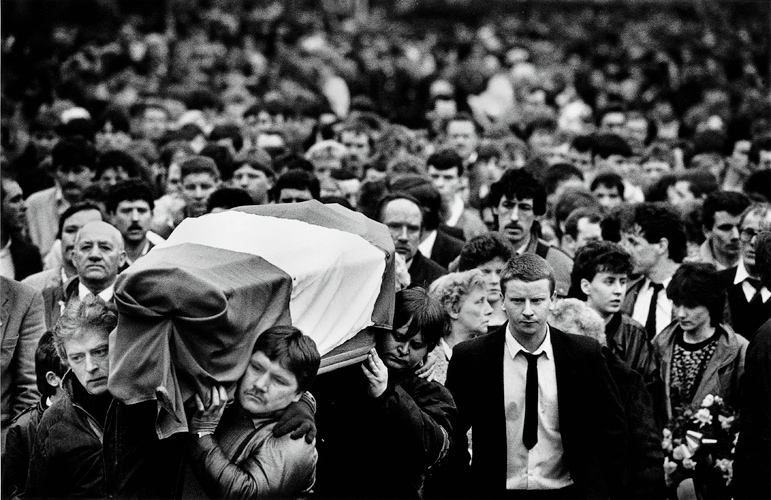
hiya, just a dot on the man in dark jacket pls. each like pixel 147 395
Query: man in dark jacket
pixel 18 258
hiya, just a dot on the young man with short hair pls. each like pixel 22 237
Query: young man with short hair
pixel 200 177
pixel 130 208
pixel 720 216
pixel 609 189
pixel 581 227
pixel 600 277
pixel 296 186
pixel 234 452
pixel 654 235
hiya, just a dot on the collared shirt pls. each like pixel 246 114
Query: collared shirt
pixel 446 348
pixel 706 255
pixel 747 288
pixel 524 247
pixel 105 295
pixel 663 305
pixel 7 269
pixel 427 245
pixel 542 467
pixel 61 204
pixel 456 210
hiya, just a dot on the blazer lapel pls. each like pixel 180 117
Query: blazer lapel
pixel 4 314
pixel 566 376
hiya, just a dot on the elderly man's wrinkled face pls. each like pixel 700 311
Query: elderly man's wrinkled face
pixel 98 253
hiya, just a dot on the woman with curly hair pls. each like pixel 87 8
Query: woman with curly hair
pixel 464 298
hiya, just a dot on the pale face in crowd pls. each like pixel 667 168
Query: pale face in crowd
pixel 196 189
pixel 587 232
pixel 527 306
pixel 404 220
pixel 645 255
pixel 72 225
pixel 14 208
pixel 254 181
pixel 447 182
pixel 753 223
pixel 474 313
pixel 691 319
pixel 515 219
pixel 132 218
pixel 266 387
pixel 288 195
pixel 724 234
pixel 491 272
pixel 400 352
pixel 462 137
pixel 98 254
pixel 608 196
pixel 87 357
pixel 605 293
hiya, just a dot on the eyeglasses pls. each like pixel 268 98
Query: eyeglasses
pixel 747 234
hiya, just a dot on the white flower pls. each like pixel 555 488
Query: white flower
pixel 703 417
pixel 718 400
pixel 680 452
pixel 725 422
pixel 669 468
pixel 689 464
pixel 708 400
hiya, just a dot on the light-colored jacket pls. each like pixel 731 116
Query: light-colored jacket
pixel 723 373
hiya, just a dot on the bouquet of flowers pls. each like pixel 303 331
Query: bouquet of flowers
pixel 700 445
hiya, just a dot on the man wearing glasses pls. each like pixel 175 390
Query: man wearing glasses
pixel 749 301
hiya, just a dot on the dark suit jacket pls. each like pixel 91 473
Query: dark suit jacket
pixel 446 249
pixel 26 258
pixel 743 318
pixel 424 271
pixel 592 422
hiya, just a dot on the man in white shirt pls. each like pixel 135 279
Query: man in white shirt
pixel 98 255
pixel 559 430
pixel 654 236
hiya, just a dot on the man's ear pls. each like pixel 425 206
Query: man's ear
pixel 663 245
pixel 53 379
pixel 585 286
pixel 122 259
pixel 452 314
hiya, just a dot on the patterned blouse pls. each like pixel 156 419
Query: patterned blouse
pixel 688 364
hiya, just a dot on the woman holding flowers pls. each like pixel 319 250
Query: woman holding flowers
pixel 698 356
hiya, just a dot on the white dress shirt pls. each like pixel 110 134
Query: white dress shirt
pixel 663 305
pixel 542 467
pixel 747 288
pixel 426 247
pixel 105 295
pixel 7 269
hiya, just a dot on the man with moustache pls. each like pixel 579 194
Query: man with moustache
pixel 130 208
pixel 720 217
pixel 74 162
pixel 518 201
pixel 403 215
pixel 749 300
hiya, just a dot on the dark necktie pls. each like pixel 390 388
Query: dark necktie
pixel 530 434
pixel 757 299
pixel 650 323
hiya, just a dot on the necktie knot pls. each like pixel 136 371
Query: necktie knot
pixel 531 358
pixel 657 287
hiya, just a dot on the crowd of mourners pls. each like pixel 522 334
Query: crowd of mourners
pixel 579 200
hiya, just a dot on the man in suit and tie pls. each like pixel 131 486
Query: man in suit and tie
pixel 749 300
pixel 654 236
pixel 404 217
pixel 546 417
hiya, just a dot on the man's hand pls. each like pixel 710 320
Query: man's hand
pixel 299 420
pixel 205 420
pixel 427 368
pixel 376 373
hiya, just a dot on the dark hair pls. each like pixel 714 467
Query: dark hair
pixel 570 201
pixel 606 145
pixel 297 179
pixel 170 150
pixel 72 210
pixel 400 195
pixel 228 131
pixel 609 180
pixel 115 117
pixel 732 202
pixel 571 223
pixel 222 159
pixel 91 313
pixel 698 284
pixel 763 257
pixel 293 350
pixel 701 182
pixel 73 152
pixel 117 159
pixel 445 159
pixel 528 267
pixel 582 143
pixel 426 313
pixel 198 165
pixel 758 185
pixel 228 197
pixel 656 221
pixel 292 161
pixel 760 144
pixel 598 257
pixel 47 360
pixel 482 249
pixel 129 190
pixel 520 185
pixel 429 199
pixel 559 173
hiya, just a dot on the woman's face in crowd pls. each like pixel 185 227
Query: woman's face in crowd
pixel 400 352
pixel 474 313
